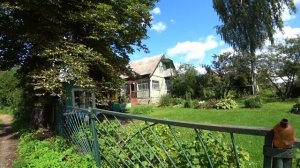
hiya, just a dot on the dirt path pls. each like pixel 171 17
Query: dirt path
pixel 8 142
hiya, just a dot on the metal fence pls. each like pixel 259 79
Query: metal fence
pixel 124 140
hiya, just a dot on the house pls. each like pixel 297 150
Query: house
pixel 152 80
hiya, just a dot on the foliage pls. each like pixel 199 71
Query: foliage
pixel 185 82
pixel 142 109
pixel 209 104
pixel 281 66
pixel 177 101
pixel 189 103
pixel 240 116
pixel 267 91
pixel 253 102
pixel 38 150
pixel 116 153
pixel 165 100
pixel 6 110
pixel 231 73
pixel 296 108
pixel 247 24
pixel 10 93
pixel 297 158
pixel 86 43
pixel 226 104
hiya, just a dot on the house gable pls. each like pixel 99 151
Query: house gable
pixel 154 78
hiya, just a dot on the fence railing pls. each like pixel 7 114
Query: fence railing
pixel 124 140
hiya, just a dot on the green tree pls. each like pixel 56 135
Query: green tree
pixel 281 66
pixel 85 42
pixel 185 82
pixel 10 93
pixel 230 69
pixel 247 24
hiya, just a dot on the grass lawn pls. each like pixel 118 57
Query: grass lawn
pixel 267 116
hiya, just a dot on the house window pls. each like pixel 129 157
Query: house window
pixel 143 86
pixel 155 85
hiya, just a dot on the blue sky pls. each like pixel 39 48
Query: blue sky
pixel 185 31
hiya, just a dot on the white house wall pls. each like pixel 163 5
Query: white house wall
pixel 153 95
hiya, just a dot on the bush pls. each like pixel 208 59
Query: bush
pixel 165 100
pixel 188 104
pixel 253 102
pixel 142 109
pixel 177 101
pixel 119 154
pixel 39 150
pixel 211 103
pixel 296 108
pixel 267 92
pixel 226 104
pixel 191 103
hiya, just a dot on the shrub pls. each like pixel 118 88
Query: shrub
pixel 165 100
pixel 38 150
pixel 296 108
pixel 211 103
pixel 142 109
pixel 190 103
pixel 226 104
pixel 121 155
pixel 177 101
pixel 253 102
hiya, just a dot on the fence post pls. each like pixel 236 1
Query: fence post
pixel 96 149
pixel 276 157
pixel 268 145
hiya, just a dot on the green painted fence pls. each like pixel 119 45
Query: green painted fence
pixel 124 140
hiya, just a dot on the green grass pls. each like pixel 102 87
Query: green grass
pixel 6 110
pixel 267 116
pixel 1 122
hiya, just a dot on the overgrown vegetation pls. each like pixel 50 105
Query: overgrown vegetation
pixel 165 100
pixel 135 151
pixel 142 109
pixel 39 149
pixel 226 104
pixel 10 92
pixel 75 44
pixel 253 102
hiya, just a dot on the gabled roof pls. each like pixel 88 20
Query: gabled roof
pixel 147 65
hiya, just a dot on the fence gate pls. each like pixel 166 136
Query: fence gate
pixel 124 140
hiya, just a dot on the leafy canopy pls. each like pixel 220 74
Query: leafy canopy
pixel 247 23
pixel 86 42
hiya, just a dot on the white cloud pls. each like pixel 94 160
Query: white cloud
pixel 172 21
pixel 156 11
pixel 286 16
pixel 224 50
pixel 201 70
pixel 287 32
pixel 159 27
pixel 193 50
pixel 297 2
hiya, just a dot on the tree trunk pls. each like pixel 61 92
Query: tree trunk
pixel 253 74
